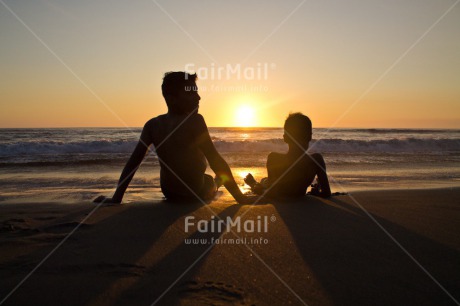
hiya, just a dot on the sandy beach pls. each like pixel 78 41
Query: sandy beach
pixel 136 101
pixel 404 251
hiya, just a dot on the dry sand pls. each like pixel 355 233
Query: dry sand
pixel 319 252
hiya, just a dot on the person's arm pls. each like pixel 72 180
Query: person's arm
pixel 217 163
pixel 323 181
pixel 130 168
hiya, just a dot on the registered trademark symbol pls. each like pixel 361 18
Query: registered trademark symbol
pixel 273 218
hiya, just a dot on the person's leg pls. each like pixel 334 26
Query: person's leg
pixel 209 188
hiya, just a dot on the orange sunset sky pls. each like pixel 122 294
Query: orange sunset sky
pixel 379 64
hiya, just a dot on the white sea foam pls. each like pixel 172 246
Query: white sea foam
pixel 409 145
pixel 88 162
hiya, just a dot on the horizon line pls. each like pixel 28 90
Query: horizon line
pixel 240 127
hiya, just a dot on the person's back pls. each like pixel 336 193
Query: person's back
pixel 182 161
pixel 290 174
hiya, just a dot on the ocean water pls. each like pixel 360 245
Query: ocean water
pixel 75 164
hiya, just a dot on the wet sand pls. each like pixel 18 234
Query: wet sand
pixel 391 247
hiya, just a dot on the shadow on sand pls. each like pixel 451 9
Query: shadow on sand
pixel 352 259
pixel 358 264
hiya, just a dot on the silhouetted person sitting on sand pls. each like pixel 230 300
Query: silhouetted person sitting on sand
pixel 183 145
pixel 289 175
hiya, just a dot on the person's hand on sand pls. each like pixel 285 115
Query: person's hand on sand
pixel 256 187
pixel 249 180
pixel 105 200
pixel 317 192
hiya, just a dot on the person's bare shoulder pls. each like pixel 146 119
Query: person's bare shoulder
pixel 154 120
pixel 150 123
pixel 150 130
pixel 198 118
pixel 197 124
pixel 317 157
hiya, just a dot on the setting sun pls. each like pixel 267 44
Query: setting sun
pixel 244 116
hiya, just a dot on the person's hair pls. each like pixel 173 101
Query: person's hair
pixel 175 82
pixel 299 127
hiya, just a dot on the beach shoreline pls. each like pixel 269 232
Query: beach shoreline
pixel 349 249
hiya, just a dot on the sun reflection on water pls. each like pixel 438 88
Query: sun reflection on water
pixel 240 174
pixel 245 136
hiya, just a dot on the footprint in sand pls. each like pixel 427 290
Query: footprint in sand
pixel 15 224
pixel 212 293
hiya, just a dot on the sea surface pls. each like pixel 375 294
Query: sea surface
pixel 75 164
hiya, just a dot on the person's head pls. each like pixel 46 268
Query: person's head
pixel 180 92
pixel 297 130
